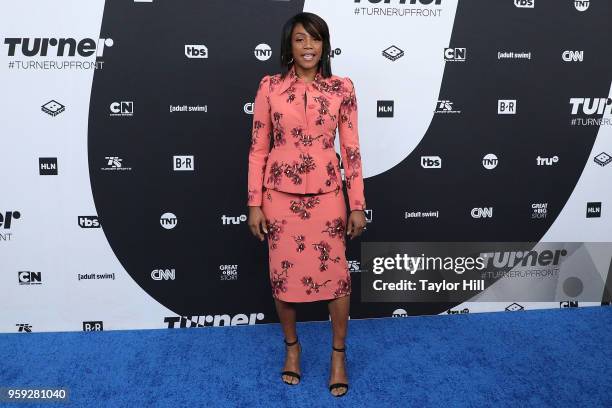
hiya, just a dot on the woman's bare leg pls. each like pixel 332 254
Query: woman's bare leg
pixel 287 316
pixel 339 312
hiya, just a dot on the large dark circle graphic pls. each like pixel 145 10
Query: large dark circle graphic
pixel 146 71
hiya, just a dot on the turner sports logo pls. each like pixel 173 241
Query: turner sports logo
pixel 239 319
pixel 56 47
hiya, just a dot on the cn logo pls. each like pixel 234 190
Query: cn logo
pixel 123 108
pixel 163 274
pixel 524 3
pixel 29 278
pixel 455 54
pixel 196 51
pixel 263 52
pixel 506 107
pixel 482 212
pixel 168 220
pixel 431 162
pixel 183 163
pixel 572 56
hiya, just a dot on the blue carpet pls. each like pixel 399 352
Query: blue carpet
pixel 556 358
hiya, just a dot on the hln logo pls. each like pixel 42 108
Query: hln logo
pixel 506 106
pixel 97 325
pixel 384 109
pixel 183 163
pixel 593 210
pixel 163 274
pixel 47 166
pixel 29 278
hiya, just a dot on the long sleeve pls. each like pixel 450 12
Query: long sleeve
pixel 349 148
pixel 260 142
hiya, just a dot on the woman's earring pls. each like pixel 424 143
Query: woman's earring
pixel 290 61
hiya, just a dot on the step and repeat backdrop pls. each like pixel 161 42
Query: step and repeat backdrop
pixel 126 127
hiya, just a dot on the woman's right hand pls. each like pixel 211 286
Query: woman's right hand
pixel 257 222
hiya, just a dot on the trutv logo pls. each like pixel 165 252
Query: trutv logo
pixel 58 47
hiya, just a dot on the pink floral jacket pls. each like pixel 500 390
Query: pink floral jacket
pixel 301 119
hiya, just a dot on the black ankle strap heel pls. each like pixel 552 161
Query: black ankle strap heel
pixel 339 385
pixel 291 373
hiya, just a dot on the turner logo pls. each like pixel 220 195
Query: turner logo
pixel 212 320
pixel 7 218
pixel 431 162
pixel 422 2
pixel 455 54
pixel 29 278
pixel 123 108
pixel 89 221
pixel 196 51
pixel 506 106
pixel 163 274
pixel 482 212
pixel 591 106
pixel 581 5
pixel 58 47
pixel 168 220
pixel 263 52
pixel 524 3
pixel 572 56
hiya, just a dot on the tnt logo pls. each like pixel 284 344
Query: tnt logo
pixel 47 166
pixel 506 106
pixel 93 326
pixel 581 5
pixel 524 3
pixel 182 163
pixel 168 221
pixel 399 313
pixel 482 212
pixel 263 52
pixel 455 54
pixel 431 162
pixel 7 218
pixel 163 274
pixel 196 51
pixel 29 278
pixel 573 56
pixel 89 222
pixel 123 108
pixel 490 161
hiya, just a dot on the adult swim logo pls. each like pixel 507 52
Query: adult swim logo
pixel 61 52
pixel 585 108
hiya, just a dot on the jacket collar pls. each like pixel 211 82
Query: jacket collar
pixel 291 78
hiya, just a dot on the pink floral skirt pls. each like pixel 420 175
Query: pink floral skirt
pixel 307 244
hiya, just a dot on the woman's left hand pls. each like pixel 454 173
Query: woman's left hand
pixel 356 223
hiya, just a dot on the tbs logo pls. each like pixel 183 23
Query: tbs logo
pixel 89 222
pixel 524 3
pixel 455 54
pixel 431 162
pixel 196 51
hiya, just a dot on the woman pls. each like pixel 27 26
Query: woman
pixel 295 192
